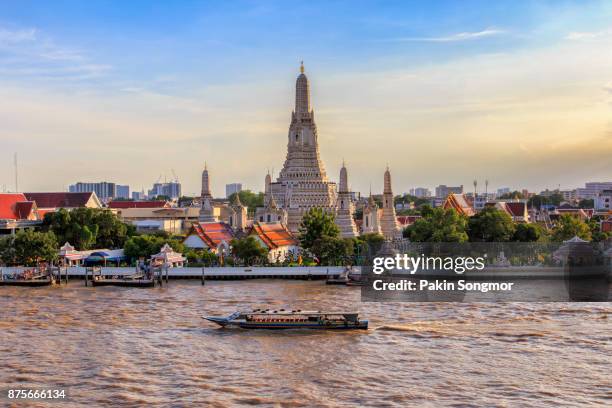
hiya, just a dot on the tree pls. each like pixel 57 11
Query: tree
pixel 512 195
pixel 143 246
pixel 316 224
pixel 527 233
pixel 438 225
pixel 249 199
pixel 249 250
pixel 86 228
pixel 568 227
pixel 28 248
pixel 491 225
pixel 586 203
pixel 597 235
pixel 332 250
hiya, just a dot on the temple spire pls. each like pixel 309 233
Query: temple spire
pixel 302 93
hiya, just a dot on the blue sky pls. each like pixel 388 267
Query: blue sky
pixel 482 89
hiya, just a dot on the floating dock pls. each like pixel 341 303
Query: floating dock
pixel 226 273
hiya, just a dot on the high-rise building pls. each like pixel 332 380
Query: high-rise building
pixel 503 190
pixel 232 188
pixel 123 192
pixel 442 191
pixel 104 190
pixel 420 192
pixel 592 189
pixel 302 183
pixel 170 189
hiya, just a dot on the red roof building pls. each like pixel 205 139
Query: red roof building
pixel 460 203
pixel 210 235
pixel 279 241
pixel 138 204
pixel 53 201
pixel 406 220
pixel 15 206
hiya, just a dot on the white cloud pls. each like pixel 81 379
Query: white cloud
pixel 31 54
pixel 587 35
pixel 464 36
pixel 16 36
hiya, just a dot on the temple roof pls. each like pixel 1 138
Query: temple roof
pixel 213 233
pixel 274 235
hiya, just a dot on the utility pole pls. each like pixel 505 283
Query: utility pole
pixel 16 174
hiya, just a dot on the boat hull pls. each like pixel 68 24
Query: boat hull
pixel 124 283
pixel 27 283
pixel 360 325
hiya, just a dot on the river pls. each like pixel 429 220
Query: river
pixel 150 347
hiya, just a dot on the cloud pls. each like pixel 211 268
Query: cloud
pixel 30 54
pixel 16 36
pixel 587 35
pixel 464 36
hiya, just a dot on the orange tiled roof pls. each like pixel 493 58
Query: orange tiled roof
pixel 213 233
pixel 274 235
pixel 460 203
pixel 15 206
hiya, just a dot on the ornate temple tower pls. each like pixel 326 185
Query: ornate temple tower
pixel 371 217
pixel 270 212
pixel 345 207
pixel 206 209
pixel 388 220
pixel 238 214
pixel 302 183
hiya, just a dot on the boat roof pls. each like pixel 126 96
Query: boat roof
pixel 293 312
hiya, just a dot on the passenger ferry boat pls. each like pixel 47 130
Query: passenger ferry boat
pixel 291 319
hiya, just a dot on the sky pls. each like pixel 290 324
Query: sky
pixel 515 92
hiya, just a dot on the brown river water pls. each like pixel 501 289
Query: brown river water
pixel 150 347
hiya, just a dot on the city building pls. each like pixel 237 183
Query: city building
pixel 603 201
pixel 420 192
pixel 152 218
pixel 302 183
pixel 279 241
pixel 170 189
pixel 138 195
pixel 138 204
pixel 345 208
pixel 569 195
pixel 592 189
pixel 503 190
pixel 442 191
pixel 105 191
pixel 232 188
pixel 123 192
